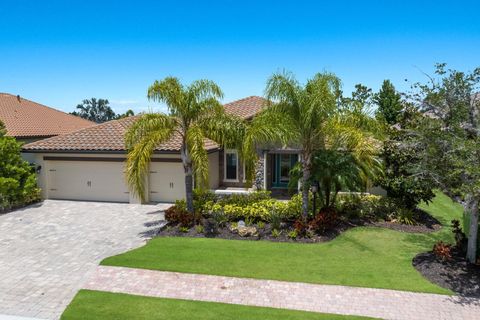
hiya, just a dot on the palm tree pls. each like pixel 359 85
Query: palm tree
pixel 307 110
pixel 317 121
pixel 195 114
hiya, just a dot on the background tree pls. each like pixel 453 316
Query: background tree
pixel 401 156
pixel 3 130
pixel 18 183
pixel 195 114
pixel 389 103
pixel 128 113
pixel 450 136
pixel 95 110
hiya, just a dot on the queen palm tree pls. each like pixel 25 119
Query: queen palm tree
pixel 195 114
pixel 317 121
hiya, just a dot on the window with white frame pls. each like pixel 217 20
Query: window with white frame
pixel 231 165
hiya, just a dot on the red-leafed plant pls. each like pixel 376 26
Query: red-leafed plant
pixel 442 250
pixel 324 220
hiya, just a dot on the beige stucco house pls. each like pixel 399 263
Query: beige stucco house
pixel 88 164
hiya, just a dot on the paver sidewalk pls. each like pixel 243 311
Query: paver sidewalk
pixel 378 303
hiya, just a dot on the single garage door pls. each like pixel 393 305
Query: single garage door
pixel 167 181
pixel 87 180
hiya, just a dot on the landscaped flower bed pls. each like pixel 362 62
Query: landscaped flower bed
pixel 446 265
pixel 257 216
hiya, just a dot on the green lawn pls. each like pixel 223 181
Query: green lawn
pixel 103 305
pixel 365 256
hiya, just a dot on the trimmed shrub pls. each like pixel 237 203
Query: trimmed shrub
pixel 177 214
pixel 255 211
pixel 362 206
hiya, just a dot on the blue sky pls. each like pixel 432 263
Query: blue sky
pixel 60 52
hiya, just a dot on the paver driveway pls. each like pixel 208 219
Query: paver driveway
pixel 49 250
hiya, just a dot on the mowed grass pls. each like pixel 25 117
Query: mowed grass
pixel 364 256
pixel 103 305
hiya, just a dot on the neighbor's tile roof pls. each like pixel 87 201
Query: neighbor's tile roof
pixel 24 118
pixel 108 136
pixel 246 108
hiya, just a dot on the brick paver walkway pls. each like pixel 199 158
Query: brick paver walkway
pixel 378 303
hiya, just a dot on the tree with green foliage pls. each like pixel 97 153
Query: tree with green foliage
pixel 401 156
pixel 195 114
pixel 18 183
pixel 96 110
pixel 128 113
pixel 318 120
pixel 389 103
pixel 450 138
pixel 3 130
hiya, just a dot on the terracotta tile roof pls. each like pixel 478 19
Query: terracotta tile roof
pixel 108 136
pixel 246 108
pixel 24 118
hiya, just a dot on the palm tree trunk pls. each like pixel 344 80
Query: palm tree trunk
pixel 188 169
pixel 472 211
pixel 306 161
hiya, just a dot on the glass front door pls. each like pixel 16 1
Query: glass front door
pixel 283 163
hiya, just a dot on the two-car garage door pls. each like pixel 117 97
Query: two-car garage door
pixel 105 180
pixel 87 180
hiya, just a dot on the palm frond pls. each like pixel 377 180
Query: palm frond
pixel 146 124
pixel 141 140
pixel 171 92
pixel 195 140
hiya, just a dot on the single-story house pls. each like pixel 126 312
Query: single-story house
pixel 88 164
pixel 28 121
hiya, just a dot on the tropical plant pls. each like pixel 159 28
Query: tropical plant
pixel 442 250
pixel 337 171
pixel 95 110
pixel 275 233
pixel 199 228
pixel 195 114
pixel 293 235
pixel 320 119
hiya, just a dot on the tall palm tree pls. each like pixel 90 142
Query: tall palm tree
pixel 307 109
pixel 317 121
pixel 195 114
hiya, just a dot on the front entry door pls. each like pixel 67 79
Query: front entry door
pixel 283 163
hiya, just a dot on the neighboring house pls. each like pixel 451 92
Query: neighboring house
pixel 89 164
pixel 29 121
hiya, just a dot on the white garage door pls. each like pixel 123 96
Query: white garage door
pixel 167 181
pixel 87 180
